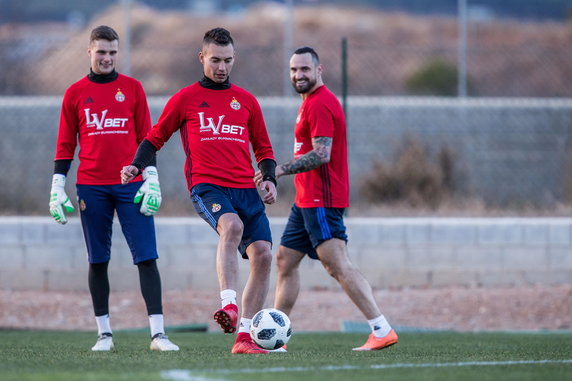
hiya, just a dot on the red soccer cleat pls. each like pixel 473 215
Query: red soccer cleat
pixel 245 345
pixel 227 317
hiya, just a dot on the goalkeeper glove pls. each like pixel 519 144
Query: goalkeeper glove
pixel 59 200
pixel 150 192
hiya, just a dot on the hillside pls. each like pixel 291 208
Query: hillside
pixel 35 11
pixel 506 58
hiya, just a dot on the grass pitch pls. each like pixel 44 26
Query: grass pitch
pixel 33 355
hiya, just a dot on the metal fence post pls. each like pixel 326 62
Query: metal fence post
pixel 345 76
pixel 126 50
pixel 462 54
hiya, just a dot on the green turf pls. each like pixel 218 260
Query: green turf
pixel 32 355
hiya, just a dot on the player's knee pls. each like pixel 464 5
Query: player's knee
pixel 262 257
pixel 266 259
pixel 285 265
pixel 150 263
pixel 281 262
pixel 333 270
pixel 231 228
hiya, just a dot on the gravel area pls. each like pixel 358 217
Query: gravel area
pixel 534 308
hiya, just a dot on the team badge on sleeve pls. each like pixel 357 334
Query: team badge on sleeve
pixel 119 96
pixel 216 207
pixel 234 104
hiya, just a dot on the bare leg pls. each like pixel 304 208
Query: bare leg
pixel 254 294
pixel 229 228
pixel 334 257
pixel 288 279
pixel 256 288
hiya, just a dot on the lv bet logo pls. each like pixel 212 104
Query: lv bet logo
pixel 219 127
pixel 100 121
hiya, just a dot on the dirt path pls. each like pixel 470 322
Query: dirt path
pixel 462 309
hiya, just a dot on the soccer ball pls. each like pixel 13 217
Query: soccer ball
pixel 270 328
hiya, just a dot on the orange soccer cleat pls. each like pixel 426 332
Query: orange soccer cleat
pixel 375 343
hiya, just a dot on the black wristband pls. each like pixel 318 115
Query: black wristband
pixel 139 169
pixel 270 178
pixel 145 155
pixel 268 169
pixel 62 166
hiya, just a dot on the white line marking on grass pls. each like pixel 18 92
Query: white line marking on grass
pixel 188 375
pixel 470 363
pixel 185 375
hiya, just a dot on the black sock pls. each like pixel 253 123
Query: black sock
pixel 99 287
pixel 150 282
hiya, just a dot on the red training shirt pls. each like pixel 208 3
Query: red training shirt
pixel 216 128
pixel 109 120
pixel 328 185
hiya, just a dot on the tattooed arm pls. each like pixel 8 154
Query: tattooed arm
pixel 319 155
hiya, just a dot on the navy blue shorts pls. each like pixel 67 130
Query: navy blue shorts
pixel 97 205
pixel 309 227
pixel 212 201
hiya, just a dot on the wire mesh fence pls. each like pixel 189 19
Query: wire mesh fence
pixel 424 152
pixel 373 70
pixel 508 143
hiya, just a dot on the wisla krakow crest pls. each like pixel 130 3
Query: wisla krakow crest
pixel 119 96
pixel 234 104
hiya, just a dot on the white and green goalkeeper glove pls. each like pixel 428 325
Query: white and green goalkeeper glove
pixel 59 200
pixel 150 192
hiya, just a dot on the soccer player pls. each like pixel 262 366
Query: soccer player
pixel 315 226
pixel 107 114
pixel 218 122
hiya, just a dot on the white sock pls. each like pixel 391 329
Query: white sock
pixel 103 325
pixel 379 326
pixel 244 325
pixel 156 324
pixel 227 297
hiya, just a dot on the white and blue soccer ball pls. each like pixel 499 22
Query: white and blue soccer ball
pixel 270 328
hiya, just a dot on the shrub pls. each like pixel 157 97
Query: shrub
pixel 437 77
pixel 414 178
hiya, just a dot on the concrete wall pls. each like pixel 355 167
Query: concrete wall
pixel 38 254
